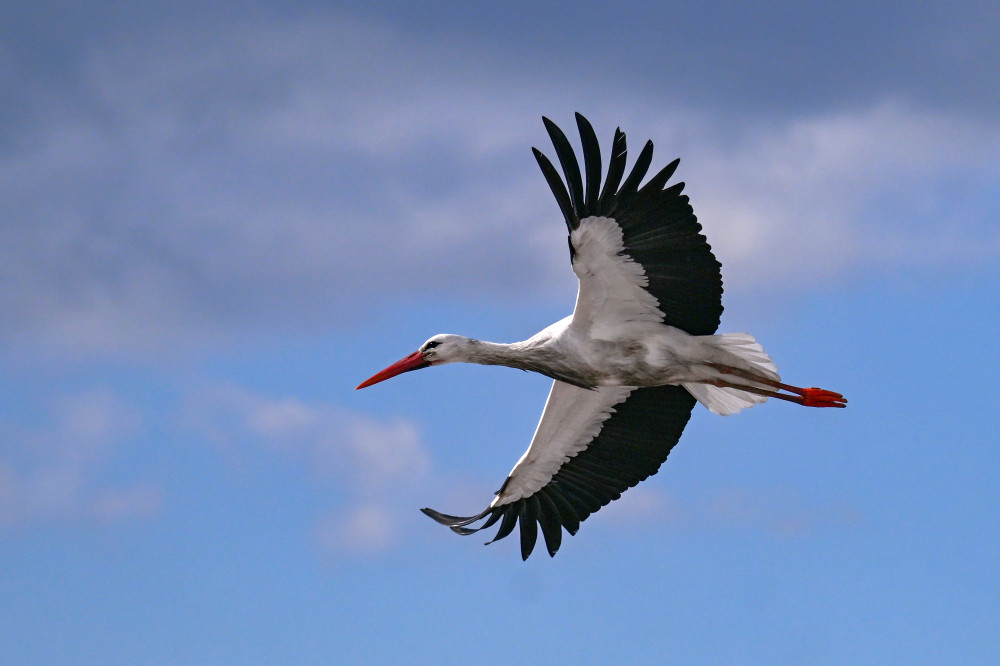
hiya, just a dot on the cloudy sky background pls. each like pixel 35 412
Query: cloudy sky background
pixel 217 219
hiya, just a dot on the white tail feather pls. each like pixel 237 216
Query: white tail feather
pixel 749 355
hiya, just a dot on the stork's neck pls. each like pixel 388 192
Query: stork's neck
pixel 534 354
pixel 484 352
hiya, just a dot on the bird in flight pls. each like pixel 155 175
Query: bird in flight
pixel 632 360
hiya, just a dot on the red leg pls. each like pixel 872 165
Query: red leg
pixel 807 397
pixel 817 397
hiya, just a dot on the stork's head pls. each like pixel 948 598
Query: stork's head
pixel 442 348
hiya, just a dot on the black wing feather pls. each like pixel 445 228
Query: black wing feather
pixel 568 516
pixel 550 519
pixel 631 185
pixel 591 160
pixel 558 190
pixel 631 445
pixel 657 182
pixel 616 169
pixel 567 158
pixel 529 525
pixel 507 526
pixel 659 229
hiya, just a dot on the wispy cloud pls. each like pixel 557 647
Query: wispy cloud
pixel 377 464
pixel 874 189
pixel 56 472
pixel 358 529
pixel 781 513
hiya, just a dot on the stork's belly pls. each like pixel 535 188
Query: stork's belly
pixel 673 357
pixel 645 376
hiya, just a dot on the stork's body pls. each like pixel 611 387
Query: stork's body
pixel 639 349
pixel 642 354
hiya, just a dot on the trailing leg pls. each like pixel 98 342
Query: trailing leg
pixel 807 397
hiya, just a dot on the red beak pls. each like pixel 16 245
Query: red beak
pixel 414 361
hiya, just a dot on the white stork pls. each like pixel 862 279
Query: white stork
pixel 630 362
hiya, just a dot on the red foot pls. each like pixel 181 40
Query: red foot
pixel 817 397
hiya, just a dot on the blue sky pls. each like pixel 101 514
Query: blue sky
pixel 218 218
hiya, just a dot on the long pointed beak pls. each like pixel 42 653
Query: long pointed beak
pixel 414 361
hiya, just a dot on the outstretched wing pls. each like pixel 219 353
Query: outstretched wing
pixel 590 446
pixel 640 256
pixel 638 251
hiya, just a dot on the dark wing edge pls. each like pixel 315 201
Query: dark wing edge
pixel 659 227
pixel 630 447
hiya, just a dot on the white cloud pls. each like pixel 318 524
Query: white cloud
pixel 377 463
pixel 112 505
pixel 282 175
pixel 781 513
pixel 869 190
pixel 54 472
pixel 269 176
pixel 359 529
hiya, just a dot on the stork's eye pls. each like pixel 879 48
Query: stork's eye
pixel 431 345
